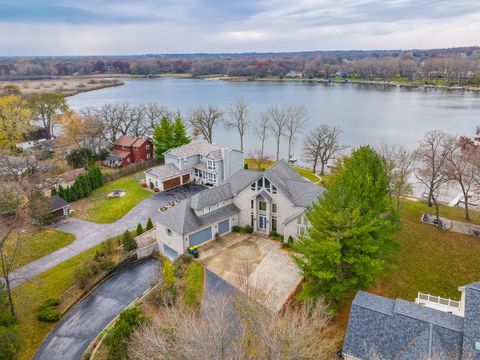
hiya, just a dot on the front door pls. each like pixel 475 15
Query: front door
pixel 262 222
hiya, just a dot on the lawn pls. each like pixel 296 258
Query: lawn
pixel 101 209
pixel 29 295
pixel 194 275
pixel 306 173
pixel 34 245
pixel 429 260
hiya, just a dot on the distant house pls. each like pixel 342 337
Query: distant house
pixel 197 161
pixel 59 208
pixel 129 150
pixel 294 74
pixel 33 138
pixel 431 328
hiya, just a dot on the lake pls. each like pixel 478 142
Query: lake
pixel 367 114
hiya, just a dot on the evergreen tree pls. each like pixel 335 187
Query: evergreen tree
pixel 351 233
pixel 149 225
pixel 61 192
pixel 163 137
pixel 139 229
pixel 180 136
pixel 128 242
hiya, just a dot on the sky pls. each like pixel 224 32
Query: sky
pixel 108 27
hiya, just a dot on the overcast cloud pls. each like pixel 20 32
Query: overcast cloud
pixel 94 27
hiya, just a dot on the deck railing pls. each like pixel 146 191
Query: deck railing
pixel 437 300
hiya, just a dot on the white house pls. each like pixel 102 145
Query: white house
pixel 197 161
pixel 271 201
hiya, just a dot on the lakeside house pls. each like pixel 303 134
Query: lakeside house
pixel 430 328
pixel 273 201
pixel 198 161
pixel 129 150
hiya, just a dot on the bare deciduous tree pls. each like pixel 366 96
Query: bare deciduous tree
pixel 239 119
pixel 322 145
pixel 153 114
pixel 296 119
pixel 278 117
pixel 203 120
pixel 399 167
pixel 431 158
pixel 261 129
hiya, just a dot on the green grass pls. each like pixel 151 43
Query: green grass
pixel 194 285
pixel 29 295
pixel 101 209
pixel 307 173
pixel 33 246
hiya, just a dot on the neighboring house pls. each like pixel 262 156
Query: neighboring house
pixel 381 328
pixel 129 150
pixel 59 208
pixel 271 201
pixel 197 161
pixel 33 138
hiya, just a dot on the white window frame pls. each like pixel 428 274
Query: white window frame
pixel 211 165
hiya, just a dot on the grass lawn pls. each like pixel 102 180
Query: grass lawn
pixel 429 260
pixel 35 245
pixel 194 275
pixel 307 173
pixel 29 295
pixel 101 209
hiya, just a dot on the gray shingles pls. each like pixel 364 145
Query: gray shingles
pixel 211 196
pixel 194 148
pixel 56 202
pixel 164 171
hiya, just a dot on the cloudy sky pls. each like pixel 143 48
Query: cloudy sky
pixel 94 27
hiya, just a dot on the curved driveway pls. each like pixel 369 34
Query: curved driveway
pixel 71 337
pixel 89 234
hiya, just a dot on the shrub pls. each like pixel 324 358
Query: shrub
pixel 139 229
pixel 245 166
pixel 143 184
pixel 249 229
pixel 151 185
pixel 9 342
pixel 84 273
pixel 107 265
pixel 236 228
pixel 149 224
pixel 167 292
pixel 81 158
pixel 128 242
pixel 117 339
pixel 48 310
pixel 156 190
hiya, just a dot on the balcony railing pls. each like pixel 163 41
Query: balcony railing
pixel 439 303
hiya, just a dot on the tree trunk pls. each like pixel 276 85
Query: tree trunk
pixel 430 196
pixel 278 148
pixel 437 211
pixel 241 142
pixel 467 214
pixel 289 148
pixel 322 169
pixel 6 276
pixel 315 166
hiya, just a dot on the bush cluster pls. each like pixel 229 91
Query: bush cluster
pixel 128 242
pixel 242 230
pixel 48 311
pixel 117 338
pixel 82 187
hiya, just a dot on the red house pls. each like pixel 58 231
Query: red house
pixel 129 150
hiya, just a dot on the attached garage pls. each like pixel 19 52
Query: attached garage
pixel 185 178
pixel 224 227
pixel 171 183
pixel 169 252
pixel 200 237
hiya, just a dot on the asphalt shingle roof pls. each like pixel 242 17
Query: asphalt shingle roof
pixel 194 148
pixel 56 202
pixel 164 171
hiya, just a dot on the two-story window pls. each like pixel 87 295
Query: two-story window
pixel 211 165
pixel 302 225
pixel 263 183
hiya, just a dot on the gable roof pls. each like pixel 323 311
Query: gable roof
pixel 399 329
pixel 165 171
pixel 194 148
pixel 125 140
pixel 183 220
pixel 56 202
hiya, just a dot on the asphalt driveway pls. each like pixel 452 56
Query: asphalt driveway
pixel 72 335
pixel 89 234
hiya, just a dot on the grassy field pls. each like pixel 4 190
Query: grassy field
pixel 306 173
pixel 29 295
pixel 33 246
pixel 429 260
pixel 101 209
pixel 192 296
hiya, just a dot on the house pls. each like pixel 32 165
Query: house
pixel 33 138
pixel 435 328
pixel 197 161
pixel 129 150
pixel 59 208
pixel 271 201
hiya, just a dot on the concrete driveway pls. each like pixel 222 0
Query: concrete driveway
pixel 89 234
pixel 72 335
pixel 254 264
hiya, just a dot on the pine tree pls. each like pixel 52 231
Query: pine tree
pixel 180 136
pixel 351 233
pixel 149 225
pixel 163 137
pixel 128 242
pixel 139 229
pixel 61 193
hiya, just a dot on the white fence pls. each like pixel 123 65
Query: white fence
pixel 439 303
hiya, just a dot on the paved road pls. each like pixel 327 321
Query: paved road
pixel 71 337
pixel 89 234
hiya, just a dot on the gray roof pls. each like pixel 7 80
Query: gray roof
pixel 264 194
pixel 396 329
pixel 56 202
pixel 183 220
pixel 215 155
pixel 299 191
pixel 165 171
pixel 193 148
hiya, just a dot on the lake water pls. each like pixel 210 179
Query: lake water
pixel 366 114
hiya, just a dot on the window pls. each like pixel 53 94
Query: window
pixel 274 223
pixel 169 233
pixel 252 218
pixel 262 206
pixel 267 184
pixel 251 204
pixel 274 208
pixel 274 189
pixel 260 183
pixel 302 225
pixel 148 156
pixel 211 165
pixel 147 147
pixel 196 172
pixel 253 186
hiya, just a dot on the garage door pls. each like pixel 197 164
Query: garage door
pixel 186 178
pixel 168 184
pixel 200 237
pixel 224 227
pixel 171 254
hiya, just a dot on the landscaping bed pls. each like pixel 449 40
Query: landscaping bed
pixel 99 208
